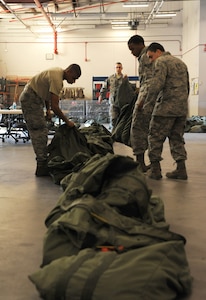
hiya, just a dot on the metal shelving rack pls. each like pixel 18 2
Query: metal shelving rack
pixel 10 89
pixel 96 111
pixel 74 109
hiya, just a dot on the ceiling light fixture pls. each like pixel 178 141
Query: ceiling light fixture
pixel 133 24
pixel 135 4
pixel 119 23
pixel 7 16
pixel 119 27
pixel 102 16
pixel 163 15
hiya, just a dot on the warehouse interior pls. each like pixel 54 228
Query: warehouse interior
pixel 26 201
pixel 36 35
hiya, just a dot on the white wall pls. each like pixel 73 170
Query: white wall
pixel 194 20
pixel 191 25
pixel 202 55
pixel 96 51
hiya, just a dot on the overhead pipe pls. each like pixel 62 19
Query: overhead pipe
pixel 86 58
pixel 55 43
pixel 4 4
pixel 158 4
pixel 38 4
pixel 78 9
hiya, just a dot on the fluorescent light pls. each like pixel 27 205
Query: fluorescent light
pixel 163 15
pixel 7 16
pixel 121 27
pixel 119 22
pixel 97 15
pixel 42 29
pixel 135 4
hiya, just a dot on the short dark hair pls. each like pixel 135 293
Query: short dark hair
pixel 76 68
pixel 155 46
pixel 136 39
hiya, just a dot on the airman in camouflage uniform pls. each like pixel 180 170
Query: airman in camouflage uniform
pixel 43 91
pixel 143 109
pixel 170 85
pixel 112 84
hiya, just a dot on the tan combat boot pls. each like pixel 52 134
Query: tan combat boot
pixel 155 171
pixel 179 173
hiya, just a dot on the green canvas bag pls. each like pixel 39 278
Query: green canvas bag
pixel 156 272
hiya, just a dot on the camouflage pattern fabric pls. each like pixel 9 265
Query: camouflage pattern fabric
pixel 170 85
pixel 160 129
pixel 140 120
pixel 32 107
pixel 114 112
pixel 112 85
pixel 140 130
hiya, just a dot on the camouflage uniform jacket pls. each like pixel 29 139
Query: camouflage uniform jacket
pixel 111 84
pixel 145 76
pixel 170 85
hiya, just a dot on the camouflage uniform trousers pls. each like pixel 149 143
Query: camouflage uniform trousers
pixel 160 129
pixel 33 111
pixel 139 132
pixel 114 111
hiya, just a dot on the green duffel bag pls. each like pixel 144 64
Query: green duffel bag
pixel 155 272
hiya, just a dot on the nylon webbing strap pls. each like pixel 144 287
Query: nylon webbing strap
pixel 93 278
pixel 63 281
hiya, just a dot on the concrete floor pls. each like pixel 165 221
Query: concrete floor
pixel 26 201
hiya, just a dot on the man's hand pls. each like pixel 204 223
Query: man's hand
pixel 70 123
pixel 100 99
pixel 48 115
pixel 140 105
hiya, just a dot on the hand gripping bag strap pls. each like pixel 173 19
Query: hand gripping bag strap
pixel 93 278
pixel 63 282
